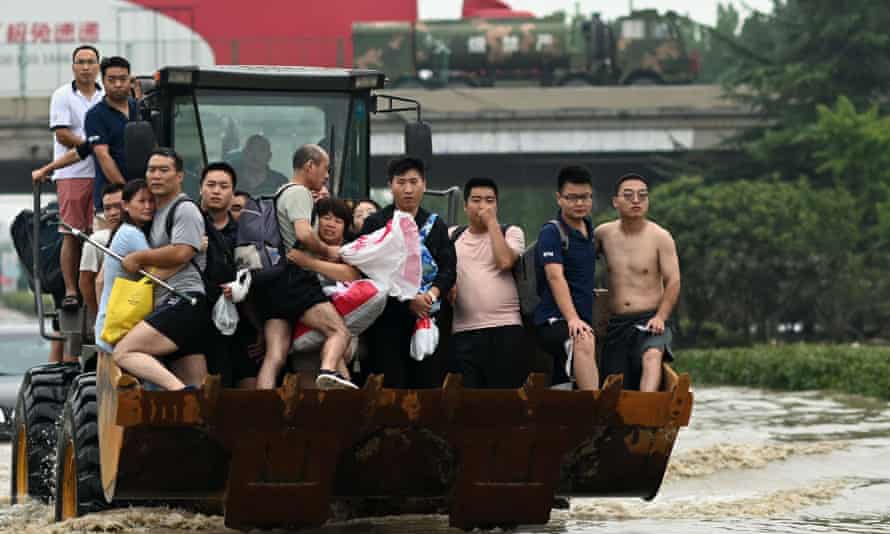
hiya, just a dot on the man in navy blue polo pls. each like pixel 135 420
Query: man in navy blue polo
pixel 106 121
pixel 565 262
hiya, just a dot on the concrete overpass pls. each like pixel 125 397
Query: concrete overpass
pixel 528 125
pixel 570 120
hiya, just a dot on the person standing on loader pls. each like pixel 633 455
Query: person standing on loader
pixel 565 280
pixel 487 326
pixel 644 285
pixel 390 335
pixel 74 184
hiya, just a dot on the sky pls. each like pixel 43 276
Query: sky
pixel 703 11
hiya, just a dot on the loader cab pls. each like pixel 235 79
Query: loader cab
pixel 255 117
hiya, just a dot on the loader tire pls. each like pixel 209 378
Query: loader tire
pixel 38 408
pixel 78 479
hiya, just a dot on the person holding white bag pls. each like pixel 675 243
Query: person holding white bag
pixel 390 337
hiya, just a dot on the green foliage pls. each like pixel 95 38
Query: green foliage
pixel 713 45
pixel 758 253
pixel 813 51
pixel 859 370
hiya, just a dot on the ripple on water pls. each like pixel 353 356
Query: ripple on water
pixel 774 504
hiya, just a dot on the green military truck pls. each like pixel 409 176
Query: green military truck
pixel 641 48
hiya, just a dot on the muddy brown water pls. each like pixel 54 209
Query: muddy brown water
pixel 751 461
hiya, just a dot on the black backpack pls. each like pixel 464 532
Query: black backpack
pixel 220 267
pixel 49 268
pixel 526 276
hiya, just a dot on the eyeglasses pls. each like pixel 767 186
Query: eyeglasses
pixel 574 199
pixel 629 195
pixel 87 62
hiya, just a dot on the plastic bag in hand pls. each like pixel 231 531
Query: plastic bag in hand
pixel 390 256
pixel 425 338
pixel 240 286
pixel 225 316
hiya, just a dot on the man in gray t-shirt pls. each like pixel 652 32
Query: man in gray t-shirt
pixel 187 229
pixel 175 330
pixel 295 295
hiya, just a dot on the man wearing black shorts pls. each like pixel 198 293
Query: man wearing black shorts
pixel 294 294
pixel 176 330
pixel 565 282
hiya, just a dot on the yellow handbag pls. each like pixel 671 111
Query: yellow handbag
pixel 130 301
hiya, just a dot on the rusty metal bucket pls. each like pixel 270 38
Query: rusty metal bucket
pixel 291 456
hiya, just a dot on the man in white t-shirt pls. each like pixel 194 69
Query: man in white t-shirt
pixel 488 334
pixel 91 259
pixel 74 184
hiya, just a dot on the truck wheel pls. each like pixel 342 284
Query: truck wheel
pixel 38 407
pixel 78 479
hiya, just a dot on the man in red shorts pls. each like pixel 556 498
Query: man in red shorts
pixel 74 184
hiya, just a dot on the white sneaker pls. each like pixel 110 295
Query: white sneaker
pixel 332 380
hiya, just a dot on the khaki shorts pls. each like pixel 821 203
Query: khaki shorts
pixel 75 203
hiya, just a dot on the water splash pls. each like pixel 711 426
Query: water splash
pixel 731 457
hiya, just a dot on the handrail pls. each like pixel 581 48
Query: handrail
pixel 453 196
pixel 35 264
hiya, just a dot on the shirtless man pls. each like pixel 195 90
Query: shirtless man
pixel 644 284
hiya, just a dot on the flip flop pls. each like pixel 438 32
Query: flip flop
pixel 70 303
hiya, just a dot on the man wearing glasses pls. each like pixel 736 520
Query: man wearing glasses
pixel 644 284
pixel 564 263
pixel 74 184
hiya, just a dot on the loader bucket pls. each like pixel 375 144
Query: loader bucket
pixel 291 457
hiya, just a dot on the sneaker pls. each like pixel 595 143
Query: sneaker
pixel 333 380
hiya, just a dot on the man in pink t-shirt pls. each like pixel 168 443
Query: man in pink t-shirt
pixel 487 325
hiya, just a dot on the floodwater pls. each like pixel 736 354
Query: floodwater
pixel 751 462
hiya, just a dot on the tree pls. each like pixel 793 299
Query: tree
pixel 807 53
pixel 756 253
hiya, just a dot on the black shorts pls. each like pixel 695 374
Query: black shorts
pixel 189 327
pixel 492 357
pixel 288 294
pixel 552 338
pixel 243 366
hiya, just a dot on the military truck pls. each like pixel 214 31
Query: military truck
pixel 641 48
pixel 296 457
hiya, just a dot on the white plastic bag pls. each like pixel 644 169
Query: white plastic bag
pixel 425 338
pixel 225 316
pixel 390 256
pixel 240 286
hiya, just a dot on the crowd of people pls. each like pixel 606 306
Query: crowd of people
pixel 467 271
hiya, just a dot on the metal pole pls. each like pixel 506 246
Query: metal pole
pixel 35 267
pixel 77 233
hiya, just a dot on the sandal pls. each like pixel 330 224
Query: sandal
pixel 70 303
